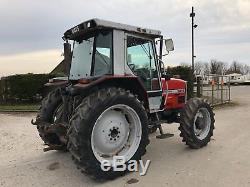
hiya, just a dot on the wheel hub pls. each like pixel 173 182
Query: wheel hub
pixel 117 132
pixel 202 123
pixel 114 133
pixel 199 123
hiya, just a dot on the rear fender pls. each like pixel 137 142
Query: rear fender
pixel 85 86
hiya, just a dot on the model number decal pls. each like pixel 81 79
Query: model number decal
pixel 75 30
pixel 177 91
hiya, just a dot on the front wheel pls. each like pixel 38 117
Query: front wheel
pixel 111 122
pixel 197 123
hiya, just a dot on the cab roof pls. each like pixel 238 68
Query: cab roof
pixel 96 24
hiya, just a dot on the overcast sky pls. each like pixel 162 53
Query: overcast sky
pixel 31 30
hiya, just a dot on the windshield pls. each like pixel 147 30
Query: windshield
pixel 92 56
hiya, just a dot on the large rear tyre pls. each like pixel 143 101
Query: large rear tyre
pixel 110 122
pixel 197 123
pixel 50 110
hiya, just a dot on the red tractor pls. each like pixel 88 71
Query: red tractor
pixel 113 94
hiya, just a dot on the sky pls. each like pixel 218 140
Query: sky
pixel 31 30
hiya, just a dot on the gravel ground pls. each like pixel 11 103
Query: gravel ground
pixel 224 162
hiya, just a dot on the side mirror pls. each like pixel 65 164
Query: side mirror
pixel 67 56
pixel 67 50
pixel 169 44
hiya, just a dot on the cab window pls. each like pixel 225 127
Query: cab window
pixel 141 60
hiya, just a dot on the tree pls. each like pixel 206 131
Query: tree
pixel 206 68
pixel 235 67
pixel 199 68
pixel 214 67
pixel 245 69
pixel 218 67
pixel 223 66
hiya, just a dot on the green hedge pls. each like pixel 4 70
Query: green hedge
pixel 25 87
pixel 185 73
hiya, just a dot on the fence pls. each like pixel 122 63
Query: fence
pixel 214 88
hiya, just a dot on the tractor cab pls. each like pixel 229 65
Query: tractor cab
pixel 107 50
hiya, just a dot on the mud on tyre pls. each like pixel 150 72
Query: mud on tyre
pixel 50 107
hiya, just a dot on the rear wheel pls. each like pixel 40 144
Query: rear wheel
pixel 108 123
pixel 50 110
pixel 197 123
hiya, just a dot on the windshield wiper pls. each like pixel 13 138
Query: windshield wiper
pixel 146 52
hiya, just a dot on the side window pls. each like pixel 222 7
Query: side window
pixel 141 60
pixel 81 59
pixel 103 54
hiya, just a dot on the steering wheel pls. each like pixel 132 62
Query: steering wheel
pixel 138 72
pixel 141 74
pixel 131 66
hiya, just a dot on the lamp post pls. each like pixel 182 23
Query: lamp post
pixel 192 15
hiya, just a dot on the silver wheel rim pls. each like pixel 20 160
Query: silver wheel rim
pixel 202 123
pixel 117 132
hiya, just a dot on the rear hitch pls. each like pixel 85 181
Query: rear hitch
pixel 54 147
pixel 33 122
pixel 39 122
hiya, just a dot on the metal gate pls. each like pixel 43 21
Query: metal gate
pixel 214 88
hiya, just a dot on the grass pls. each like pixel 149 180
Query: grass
pixel 18 107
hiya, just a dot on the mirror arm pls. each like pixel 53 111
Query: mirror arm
pixel 160 60
pixel 164 70
pixel 166 53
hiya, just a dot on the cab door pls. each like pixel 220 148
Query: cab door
pixel 142 61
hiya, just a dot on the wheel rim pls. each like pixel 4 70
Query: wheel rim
pixel 202 123
pixel 117 132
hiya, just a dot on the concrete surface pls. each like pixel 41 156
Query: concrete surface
pixel 224 162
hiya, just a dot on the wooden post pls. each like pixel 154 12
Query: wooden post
pixel 229 89
pixel 222 83
pixel 1 91
pixel 213 83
